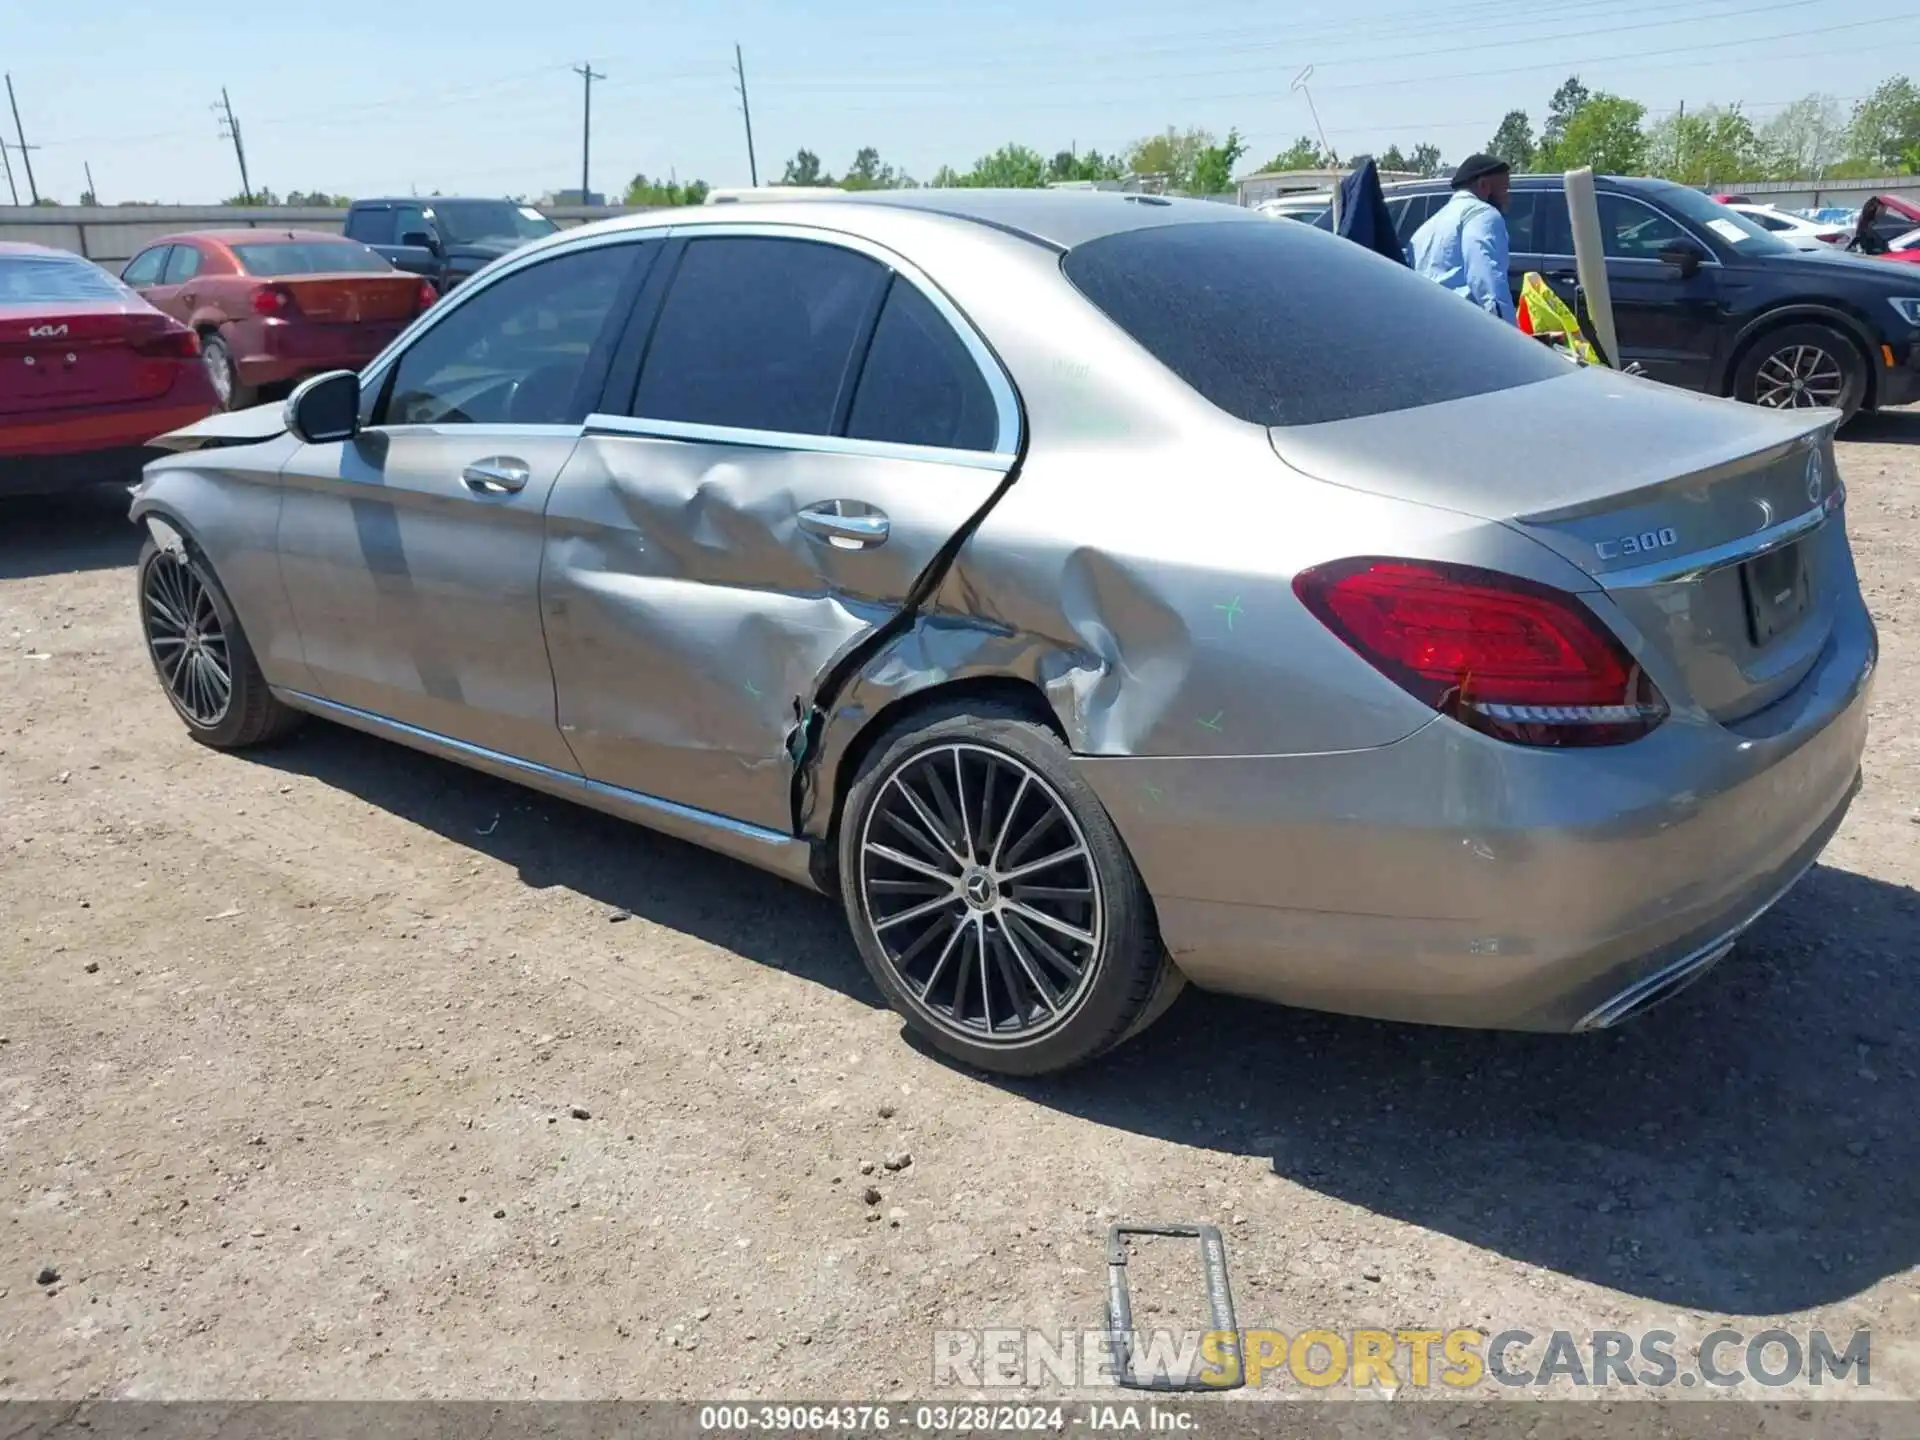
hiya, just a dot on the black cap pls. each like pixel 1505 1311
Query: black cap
pixel 1478 167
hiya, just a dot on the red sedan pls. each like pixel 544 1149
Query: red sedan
pixel 89 373
pixel 274 306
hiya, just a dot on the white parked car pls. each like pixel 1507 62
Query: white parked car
pixel 1799 233
pixel 1309 206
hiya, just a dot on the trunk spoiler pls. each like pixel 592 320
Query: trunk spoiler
pixel 225 428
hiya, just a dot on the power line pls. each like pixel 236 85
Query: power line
pixel 746 113
pixel 587 74
pixel 26 150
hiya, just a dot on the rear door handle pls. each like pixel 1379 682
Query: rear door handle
pixel 496 475
pixel 836 522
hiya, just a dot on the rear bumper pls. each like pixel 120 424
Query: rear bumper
pixel 267 350
pixel 1900 383
pixel 1451 879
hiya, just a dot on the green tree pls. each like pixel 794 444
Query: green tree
pixel 1567 102
pixel 1425 160
pixel 1010 167
pixel 1213 166
pixel 1513 141
pixel 642 191
pixel 262 196
pixel 1605 134
pixel 1304 154
pixel 1391 159
pixel 804 169
pixel 1709 144
pixel 88 198
pixel 1886 126
pixel 1804 140
pixel 1173 153
pixel 1084 165
pixel 868 173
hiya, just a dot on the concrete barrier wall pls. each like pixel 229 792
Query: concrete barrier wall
pixel 112 234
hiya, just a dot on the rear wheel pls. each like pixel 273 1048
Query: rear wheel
pixel 992 900
pixel 201 655
pixel 1803 367
pixel 217 356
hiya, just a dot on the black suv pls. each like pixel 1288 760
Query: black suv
pixel 1706 299
pixel 444 239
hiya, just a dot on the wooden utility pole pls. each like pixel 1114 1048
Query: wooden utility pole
pixel 588 74
pixel 740 74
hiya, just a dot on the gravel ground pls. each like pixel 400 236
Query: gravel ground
pixel 337 1071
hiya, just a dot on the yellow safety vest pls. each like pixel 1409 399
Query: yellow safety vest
pixel 1543 312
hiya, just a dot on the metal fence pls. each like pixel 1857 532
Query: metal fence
pixel 111 234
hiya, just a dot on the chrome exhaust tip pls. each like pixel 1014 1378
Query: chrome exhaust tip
pixel 1651 990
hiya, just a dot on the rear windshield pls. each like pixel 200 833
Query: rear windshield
pixel 309 257
pixel 1287 325
pixel 37 279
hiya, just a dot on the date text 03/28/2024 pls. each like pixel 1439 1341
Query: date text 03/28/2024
pixel 1092 1419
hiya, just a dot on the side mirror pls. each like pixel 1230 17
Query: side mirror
pixel 326 408
pixel 420 240
pixel 1684 256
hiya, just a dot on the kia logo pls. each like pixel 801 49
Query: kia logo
pixel 46 332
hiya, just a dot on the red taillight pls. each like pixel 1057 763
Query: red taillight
pixel 1832 237
pixel 1514 659
pixel 272 300
pixel 428 294
pixel 170 345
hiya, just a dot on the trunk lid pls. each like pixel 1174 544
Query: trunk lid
pixel 1704 521
pixel 73 355
pixel 351 299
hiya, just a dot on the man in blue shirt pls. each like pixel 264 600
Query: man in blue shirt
pixel 1464 245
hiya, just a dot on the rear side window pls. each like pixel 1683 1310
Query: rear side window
pixel 1419 209
pixel 758 334
pixel 309 257
pixel 371 226
pixel 1286 325
pixel 920 386
pixel 38 279
pixel 182 265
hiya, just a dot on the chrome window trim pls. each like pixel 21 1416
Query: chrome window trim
pixel 603 424
pixel 1005 404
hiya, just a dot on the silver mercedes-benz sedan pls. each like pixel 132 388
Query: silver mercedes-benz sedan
pixel 1095 592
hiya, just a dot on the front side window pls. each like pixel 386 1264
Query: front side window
pixel 758 334
pixel 182 265
pixel 920 386
pixel 144 269
pixel 410 220
pixel 514 351
pixel 280 258
pixel 1632 231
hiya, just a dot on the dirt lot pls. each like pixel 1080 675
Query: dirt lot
pixel 337 1071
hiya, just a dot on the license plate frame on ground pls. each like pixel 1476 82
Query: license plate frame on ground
pixel 1774 587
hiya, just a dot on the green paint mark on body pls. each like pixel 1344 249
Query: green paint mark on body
pixel 1214 721
pixel 1232 610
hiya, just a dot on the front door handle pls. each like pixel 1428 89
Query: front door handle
pixel 496 475
pixel 846 524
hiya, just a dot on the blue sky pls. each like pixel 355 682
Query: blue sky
pixel 480 97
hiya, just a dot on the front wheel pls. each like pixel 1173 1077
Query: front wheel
pixel 991 897
pixel 201 655
pixel 1803 367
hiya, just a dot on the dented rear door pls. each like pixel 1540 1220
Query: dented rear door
pixel 812 425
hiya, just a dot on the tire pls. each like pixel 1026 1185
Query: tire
pixel 1828 367
pixel 990 966
pixel 178 598
pixel 217 356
